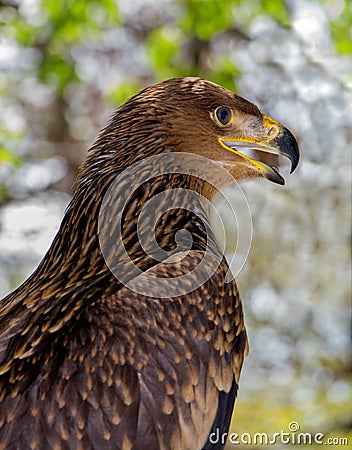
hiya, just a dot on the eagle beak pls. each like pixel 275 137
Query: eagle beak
pixel 283 144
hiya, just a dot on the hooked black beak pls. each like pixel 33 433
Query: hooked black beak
pixel 287 145
pixel 284 144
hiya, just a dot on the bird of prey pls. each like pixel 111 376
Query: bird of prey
pixel 92 356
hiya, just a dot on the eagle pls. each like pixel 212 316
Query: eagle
pixel 130 333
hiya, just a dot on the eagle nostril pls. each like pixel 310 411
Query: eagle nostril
pixel 273 132
pixel 271 127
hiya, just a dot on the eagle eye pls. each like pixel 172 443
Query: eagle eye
pixel 223 115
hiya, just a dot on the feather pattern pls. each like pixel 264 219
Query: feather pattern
pixel 87 361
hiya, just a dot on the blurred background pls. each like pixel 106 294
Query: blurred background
pixel 66 65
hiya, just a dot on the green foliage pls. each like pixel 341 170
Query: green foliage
pixel 58 70
pixel 265 412
pixel 162 46
pixel 61 25
pixel 9 158
pixel 123 92
pixel 3 191
pixel 8 142
pixel 341 26
pixel 180 47
pixel 277 10
pixel 184 47
pixel 73 20
pixel 341 30
pixel 224 73
pixel 51 31
pixel 204 18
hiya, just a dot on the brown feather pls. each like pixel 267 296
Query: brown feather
pixel 86 362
